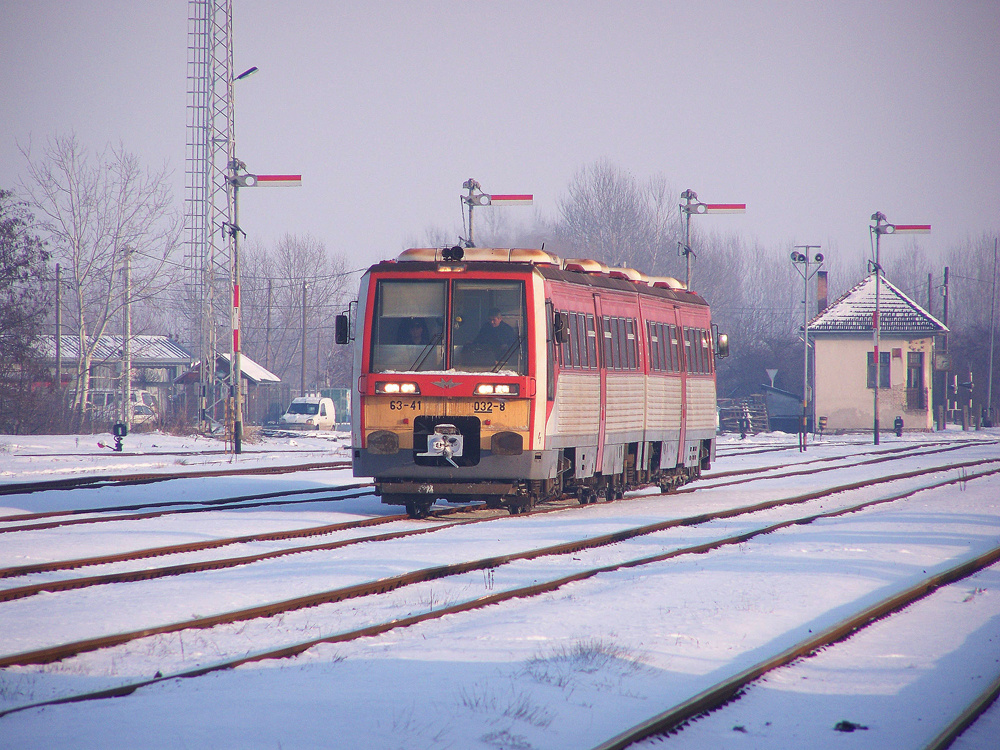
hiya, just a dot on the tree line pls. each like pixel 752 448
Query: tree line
pixel 93 212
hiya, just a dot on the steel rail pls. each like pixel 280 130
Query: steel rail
pixel 18 592
pixel 723 691
pixel 845 628
pixel 202 506
pixel 825 459
pixel 816 470
pixel 964 720
pixel 90 482
pixel 165 504
pixel 384 585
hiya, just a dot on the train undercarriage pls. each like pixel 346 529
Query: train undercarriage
pixel 520 496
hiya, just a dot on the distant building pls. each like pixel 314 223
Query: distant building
pixel 845 367
pixel 156 363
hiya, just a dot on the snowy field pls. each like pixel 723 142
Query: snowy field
pixel 566 669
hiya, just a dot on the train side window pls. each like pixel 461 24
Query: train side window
pixel 630 344
pixel 661 347
pixel 706 348
pixel 616 344
pixel 574 328
pixel 591 341
pixel 654 361
pixel 564 356
pixel 608 343
pixel 551 348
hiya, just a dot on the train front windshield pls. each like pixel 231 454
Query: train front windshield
pixel 414 329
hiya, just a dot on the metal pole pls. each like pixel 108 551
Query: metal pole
pixel 302 383
pixel 237 364
pixel 993 302
pixel 687 195
pixel 58 335
pixel 876 323
pixel 805 353
pixel 126 336
pixel 267 339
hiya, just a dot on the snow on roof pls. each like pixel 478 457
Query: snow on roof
pixel 251 370
pixel 159 349
pixel 853 312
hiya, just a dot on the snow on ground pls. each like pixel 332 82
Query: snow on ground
pixel 567 669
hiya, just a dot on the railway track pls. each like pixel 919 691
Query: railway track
pixel 727 689
pixel 491 563
pixel 17 592
pixel 111 480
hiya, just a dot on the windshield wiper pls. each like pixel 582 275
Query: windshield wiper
pixel 510 350
pixel 426 351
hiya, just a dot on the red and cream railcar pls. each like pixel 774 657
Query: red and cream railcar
pixel 513 376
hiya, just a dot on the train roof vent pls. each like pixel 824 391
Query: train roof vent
pixel 666 282
pixel 495 254
pixel 585 265
pixel 628 274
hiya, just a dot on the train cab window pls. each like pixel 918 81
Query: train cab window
pixel 408 326
pixel 489 327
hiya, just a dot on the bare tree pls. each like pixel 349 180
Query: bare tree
pixel 94 210
pixel 272 299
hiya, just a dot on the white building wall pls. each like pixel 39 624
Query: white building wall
pixel 842 394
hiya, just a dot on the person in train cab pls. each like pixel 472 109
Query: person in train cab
pixel 417 333
pixel 495 338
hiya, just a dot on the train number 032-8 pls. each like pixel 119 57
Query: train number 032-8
pixel 487 407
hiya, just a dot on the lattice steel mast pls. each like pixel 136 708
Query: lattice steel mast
pixel 209 199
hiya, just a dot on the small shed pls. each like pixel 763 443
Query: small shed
pixel 255 378
pixel 844 363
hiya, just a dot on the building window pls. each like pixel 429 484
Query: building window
pixel 883 375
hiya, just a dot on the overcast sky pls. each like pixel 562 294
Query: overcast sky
pixel 816 114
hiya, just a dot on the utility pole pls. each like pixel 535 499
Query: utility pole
pixel 302 382
pixel 267 337
pixel 58 336
pixel 126 337
pixel 993 324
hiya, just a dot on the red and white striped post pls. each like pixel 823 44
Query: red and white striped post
pixel 237 181
pixel 882 226
pixel 693 206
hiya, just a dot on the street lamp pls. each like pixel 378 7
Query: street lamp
pixel 801 261
pixel 882 226
pixel 692 205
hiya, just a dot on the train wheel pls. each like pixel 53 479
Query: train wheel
pixel 494 502
pixel 419 508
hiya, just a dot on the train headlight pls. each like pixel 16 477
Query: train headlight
pixel 497 389
pixel 404 388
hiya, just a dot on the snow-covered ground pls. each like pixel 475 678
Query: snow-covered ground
pixel 568 669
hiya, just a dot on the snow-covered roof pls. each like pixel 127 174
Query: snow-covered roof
pixel 853 312
pixel 144 349
pixel 251 370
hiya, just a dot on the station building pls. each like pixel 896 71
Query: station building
pixel 844 365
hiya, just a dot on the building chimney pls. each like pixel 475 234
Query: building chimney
pixel 821 291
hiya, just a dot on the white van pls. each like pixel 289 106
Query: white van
pixel 309 413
